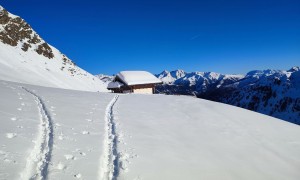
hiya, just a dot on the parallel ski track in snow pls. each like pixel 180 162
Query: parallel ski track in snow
pixel 38 161
pixel 110 158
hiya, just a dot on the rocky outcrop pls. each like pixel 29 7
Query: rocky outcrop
pixel 16 31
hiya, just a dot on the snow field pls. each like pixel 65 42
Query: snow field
pixel 49 133
pixel 19 127
pixel 74 147
pixel 179 137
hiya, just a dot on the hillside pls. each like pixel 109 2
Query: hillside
pixel 25 57
pixel 272 92
pixel 49 133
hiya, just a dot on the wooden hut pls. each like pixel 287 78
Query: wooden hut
pixel 140 82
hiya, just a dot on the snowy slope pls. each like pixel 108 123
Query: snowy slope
pixel 41 124
pixel 25 57
pixel 89 135
pixel 169 137
pixel 106 79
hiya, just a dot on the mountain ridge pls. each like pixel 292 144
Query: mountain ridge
pixel 271 92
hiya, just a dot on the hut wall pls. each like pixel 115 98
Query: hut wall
pixel 143 91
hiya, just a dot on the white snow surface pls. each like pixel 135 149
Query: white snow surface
pixel 27 145
pixel 32 68
pixel 137 77
pixel 49 133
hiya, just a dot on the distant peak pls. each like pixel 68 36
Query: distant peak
pixel 294 69
pixel 178 70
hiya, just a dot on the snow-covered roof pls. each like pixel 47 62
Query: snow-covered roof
pixel 138 77
pixel 113 85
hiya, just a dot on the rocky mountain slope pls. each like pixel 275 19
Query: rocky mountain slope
pixel 25 57
pixel 272 92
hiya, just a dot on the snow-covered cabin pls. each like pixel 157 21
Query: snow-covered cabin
pixel 140 82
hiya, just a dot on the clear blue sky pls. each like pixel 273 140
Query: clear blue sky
pixel 227 36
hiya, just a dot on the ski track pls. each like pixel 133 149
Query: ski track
pixel 39 158
pixel 110 163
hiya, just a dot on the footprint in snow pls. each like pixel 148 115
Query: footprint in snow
pixel 7 160
pixel 78 175
pixel 19 109
pixel 89 120
pixel 11 135
pixel 61 166
pixel 57 124
pixel 82 153
pixel 85 132
pixel 70 157
pixel 13 118
pixel 60 137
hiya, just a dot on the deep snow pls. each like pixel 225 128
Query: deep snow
pixel 64 134
pixel 76 144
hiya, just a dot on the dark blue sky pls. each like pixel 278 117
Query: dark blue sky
pixel 227 36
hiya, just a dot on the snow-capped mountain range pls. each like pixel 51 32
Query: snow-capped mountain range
pixel 271 92
pixel 25 57
pixel 180 82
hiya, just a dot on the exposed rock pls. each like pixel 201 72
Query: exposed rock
pixel 45 50
pixel 17 31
